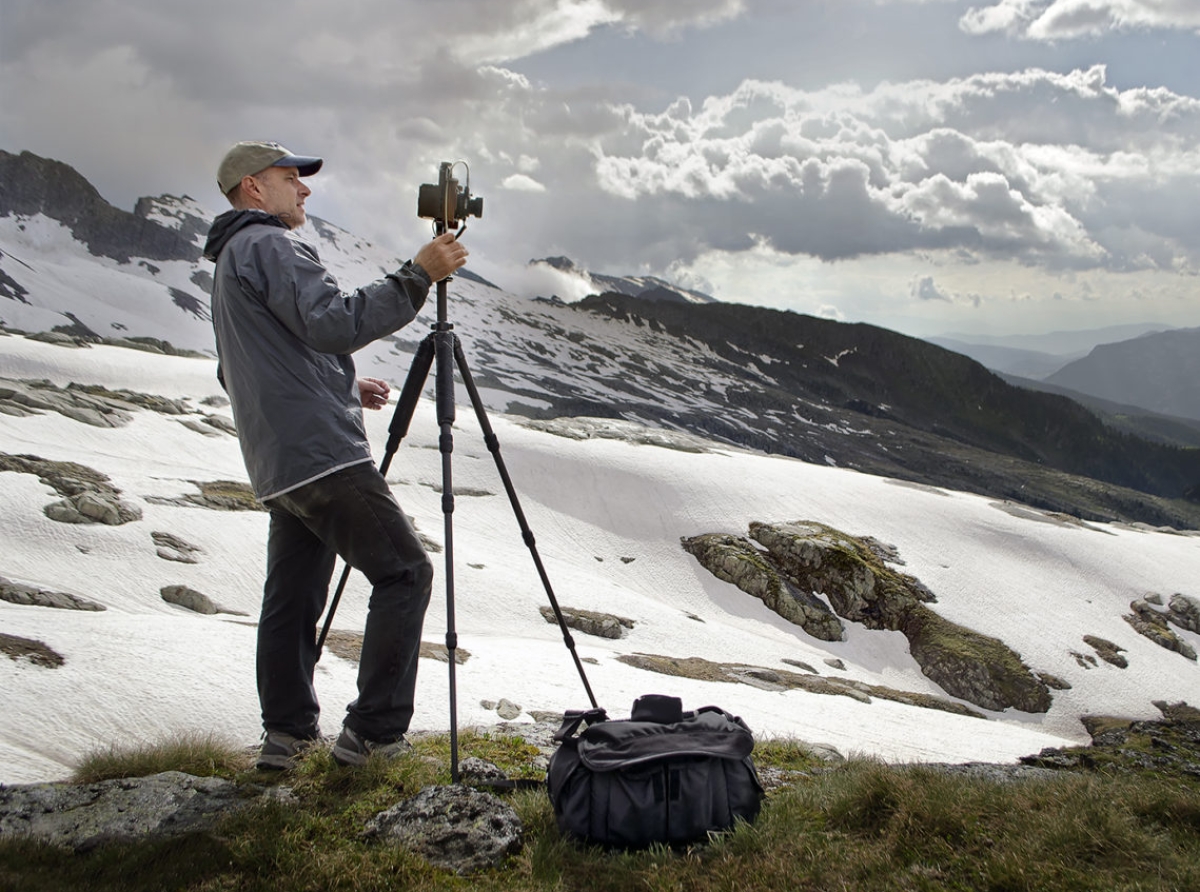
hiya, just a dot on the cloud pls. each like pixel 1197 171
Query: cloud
pixel 1032 165
pixel 1051 20
pixel 519 182
pixel 924 288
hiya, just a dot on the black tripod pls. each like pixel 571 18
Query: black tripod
pixel 444 345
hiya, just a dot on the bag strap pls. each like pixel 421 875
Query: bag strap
pixel 520 783
pixel 573 718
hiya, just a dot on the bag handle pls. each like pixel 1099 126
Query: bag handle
pixel 573 718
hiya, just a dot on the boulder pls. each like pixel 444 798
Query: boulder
pixel 93 506
pixel 193 600
pixel 452 827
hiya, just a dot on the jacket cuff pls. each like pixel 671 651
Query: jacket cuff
pixel 414 282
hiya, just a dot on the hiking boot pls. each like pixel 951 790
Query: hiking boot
pixel 280 750
pixel 352 750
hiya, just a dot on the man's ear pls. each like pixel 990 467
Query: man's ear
pixel 251 187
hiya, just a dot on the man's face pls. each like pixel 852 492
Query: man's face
pixel 282 193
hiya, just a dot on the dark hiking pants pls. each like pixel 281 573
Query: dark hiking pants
pixel 350 513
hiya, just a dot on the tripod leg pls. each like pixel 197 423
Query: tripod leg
pixel 444 349
pixel 493 445
pixel 406 406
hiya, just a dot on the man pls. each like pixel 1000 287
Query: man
pixel 284 333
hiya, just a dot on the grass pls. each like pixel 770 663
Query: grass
pixel 859 826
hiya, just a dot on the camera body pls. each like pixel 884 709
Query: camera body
pixel 447 203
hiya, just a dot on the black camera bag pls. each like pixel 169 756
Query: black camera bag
pixel 661 776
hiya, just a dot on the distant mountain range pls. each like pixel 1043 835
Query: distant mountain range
pixel 1159 372
pixel 856 396
pixel 1134 372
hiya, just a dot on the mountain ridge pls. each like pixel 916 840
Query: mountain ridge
pixel 853 395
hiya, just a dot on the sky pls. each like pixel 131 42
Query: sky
pixel 608 509
pixel 931 166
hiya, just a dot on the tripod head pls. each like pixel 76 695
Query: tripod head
pixel 447 203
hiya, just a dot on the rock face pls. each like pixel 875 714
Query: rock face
pixel 81 816
pixel 456 828
pixel 736 560
pixel 806 558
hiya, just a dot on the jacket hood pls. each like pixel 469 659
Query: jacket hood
pixel 224 227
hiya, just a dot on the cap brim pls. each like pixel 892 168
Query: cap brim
pixel 306 164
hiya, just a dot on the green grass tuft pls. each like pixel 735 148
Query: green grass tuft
pixel 203 755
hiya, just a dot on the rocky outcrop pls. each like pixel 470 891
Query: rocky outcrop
pixel 170 547
pixel 737 560
pixel 1153 625
pixel 82 816
pixel 93 507
pixel 36 652
pixel 1170 746
pixel 348 646
pixel 453 827
pixel 1107 650
pixel 89 495
pixel 31 185
pixel 978 668
pixel 16 593
pixel 1185 612
pixel 88 404
pixel 854 574
pixel 589 622
pixel 847 570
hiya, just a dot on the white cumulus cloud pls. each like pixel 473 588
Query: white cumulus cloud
pixel 1065 19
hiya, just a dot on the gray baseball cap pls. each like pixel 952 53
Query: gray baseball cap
pixel 248 158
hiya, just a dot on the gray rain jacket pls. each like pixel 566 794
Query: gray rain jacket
pixel 285 332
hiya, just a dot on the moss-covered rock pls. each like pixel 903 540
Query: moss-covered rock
pixel 847 570
pixel 736 560
pixel 803 559
pixel 978 668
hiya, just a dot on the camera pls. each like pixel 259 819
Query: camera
pixel 447 203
